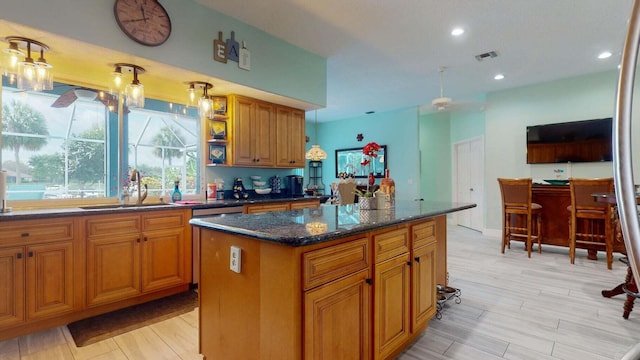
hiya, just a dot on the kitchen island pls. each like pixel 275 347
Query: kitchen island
pixel 324 283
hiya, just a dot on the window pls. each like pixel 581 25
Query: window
pixel 72 150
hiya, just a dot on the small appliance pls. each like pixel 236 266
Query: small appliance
pixel 294 184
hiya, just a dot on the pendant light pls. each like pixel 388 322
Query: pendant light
pixel 134 92
pixel 205 103
pixel 316 153
pixel 29 74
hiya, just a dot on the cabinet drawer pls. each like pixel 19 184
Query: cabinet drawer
pixel 254 209
pixel 163 220
pixel 423 233
pixel 390 243
pixel 297 205
pixel 110 225
pixel 324 265
pixel 22 231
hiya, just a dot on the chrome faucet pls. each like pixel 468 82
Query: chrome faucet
pixel 135 176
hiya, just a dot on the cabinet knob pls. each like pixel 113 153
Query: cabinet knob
pixel 368 281
pixel 409 263
pixel 30 253
pixel 19 256
pixel 138 240
pixel 417 259
pixel 145 238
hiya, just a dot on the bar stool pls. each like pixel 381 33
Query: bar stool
pixel 516 203
pixel 590 222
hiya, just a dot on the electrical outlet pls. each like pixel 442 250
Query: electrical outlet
pixel 235 259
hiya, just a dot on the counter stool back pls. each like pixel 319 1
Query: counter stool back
pixel 590 222
pixel 520 214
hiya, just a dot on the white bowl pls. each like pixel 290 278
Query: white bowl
pixel 259 183
pixel 263 191
pixel 256 177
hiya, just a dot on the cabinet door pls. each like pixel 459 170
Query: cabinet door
pixel 163 256
pixel 290 137
pixel 391 312
pixel 12 284
pixel 50 284
pixel 423 286
pixel 113 268
pixel 337 319
pixel 243 138
pixel 264 131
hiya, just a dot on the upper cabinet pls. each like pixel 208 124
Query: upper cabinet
pixel 290 137
pixel 263 134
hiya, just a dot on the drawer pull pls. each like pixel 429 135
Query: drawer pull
pixel 30 253
pixel 368 281
pixel 145 238
pixel 24 234
pixel 417 259
pixel 409 263
pixel 138 240
pixel 19 256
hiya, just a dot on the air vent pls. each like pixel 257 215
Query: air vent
pixel 490 54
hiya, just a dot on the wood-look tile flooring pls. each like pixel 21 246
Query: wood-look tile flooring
pixel 512 308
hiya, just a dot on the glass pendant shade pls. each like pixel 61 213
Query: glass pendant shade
pixel 315 153
pixel 205 107
pixel 135 95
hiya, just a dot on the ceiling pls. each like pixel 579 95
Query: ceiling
pixel 385 55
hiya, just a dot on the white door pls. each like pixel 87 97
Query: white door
pixel 468 180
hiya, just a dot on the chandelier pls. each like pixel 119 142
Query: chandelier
pixel 21 68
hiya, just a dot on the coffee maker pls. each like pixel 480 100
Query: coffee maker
pixel 294 184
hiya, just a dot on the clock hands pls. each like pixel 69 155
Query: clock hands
pixel 134 20
pixel 143 17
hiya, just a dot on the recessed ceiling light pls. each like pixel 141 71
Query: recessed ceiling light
pixel 457 31
pixel 604 55
pixel 498 77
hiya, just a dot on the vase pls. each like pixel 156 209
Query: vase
pixel 367 203
pixel 388 186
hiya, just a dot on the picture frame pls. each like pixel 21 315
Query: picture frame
pixel 217 154
pixel 219 105
pixel 348 162
pixel 218 129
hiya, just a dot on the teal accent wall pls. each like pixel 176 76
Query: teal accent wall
pixel 276 66
pixel 396 129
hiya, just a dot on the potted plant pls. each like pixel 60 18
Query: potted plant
pixel 365 198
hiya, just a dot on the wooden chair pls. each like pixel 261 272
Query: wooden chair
pixel 519 214
pixel 590 222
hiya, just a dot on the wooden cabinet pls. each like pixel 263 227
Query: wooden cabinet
pixel 337 301
pixel 37 270
pixel 131 254
pixel 254 128
pixel 290 148
pixel 423 274
pixel 280 206
pixel 392 292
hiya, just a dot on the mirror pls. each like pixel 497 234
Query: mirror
pixel 348 162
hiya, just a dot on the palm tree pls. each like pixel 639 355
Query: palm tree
pixel 167 139
pixel 22 127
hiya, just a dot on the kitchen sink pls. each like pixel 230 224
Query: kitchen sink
pixel 122 206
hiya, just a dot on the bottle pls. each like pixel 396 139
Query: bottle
pixel 177 195
pixel 388 186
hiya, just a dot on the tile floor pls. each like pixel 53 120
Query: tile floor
pixel 512 308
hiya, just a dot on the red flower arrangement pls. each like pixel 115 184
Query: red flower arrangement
pixel 370 151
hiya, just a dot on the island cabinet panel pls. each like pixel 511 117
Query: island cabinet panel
pixel 363 296
pixel 337 319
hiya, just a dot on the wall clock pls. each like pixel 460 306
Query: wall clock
pixel 144 21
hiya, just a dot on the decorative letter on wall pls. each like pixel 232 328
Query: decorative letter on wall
pixel 245 57
pixel 220 49
pixel 232 48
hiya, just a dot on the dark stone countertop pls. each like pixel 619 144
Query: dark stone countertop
pixel 329 222
pixel 26 214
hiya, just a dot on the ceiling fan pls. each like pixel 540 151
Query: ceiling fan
pixel 75 93
pixel 444 103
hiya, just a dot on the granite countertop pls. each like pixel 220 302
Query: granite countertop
pixel 329 222
pixel 25 214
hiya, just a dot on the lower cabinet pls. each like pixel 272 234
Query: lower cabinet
pixel 280 206
pixel 423 286
pixel 131 254
pixel 38 274
pixel 337 319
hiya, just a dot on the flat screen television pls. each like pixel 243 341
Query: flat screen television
pixel 576 141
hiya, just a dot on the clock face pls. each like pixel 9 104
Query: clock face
pixel 144 21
